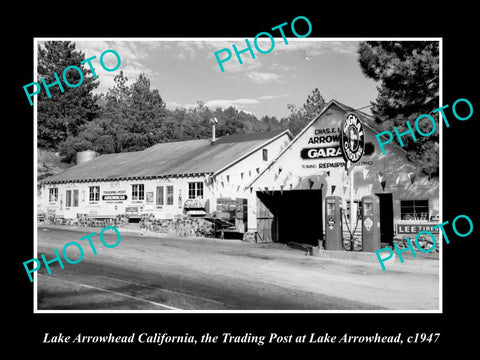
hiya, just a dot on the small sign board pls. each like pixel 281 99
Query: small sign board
pixel 114 197
pixel 368 223
pixel 416 228
pixel 131 210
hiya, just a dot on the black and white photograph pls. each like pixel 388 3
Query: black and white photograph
pixel 299 181
pixel 274 173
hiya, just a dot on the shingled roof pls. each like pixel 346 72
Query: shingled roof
pixel 168 159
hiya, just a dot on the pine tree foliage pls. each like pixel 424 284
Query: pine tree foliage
pixel 131 116
pixel 407 73
pixel 62 114
pixel 314 105
pixel 300 116
pixel 134 117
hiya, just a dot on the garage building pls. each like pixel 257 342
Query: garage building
pixel 291 190
pixel 281 182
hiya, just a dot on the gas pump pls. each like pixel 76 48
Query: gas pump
pixel 333 223
pixel 370 223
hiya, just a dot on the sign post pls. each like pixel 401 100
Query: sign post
pixel 352 142
pixel 351 201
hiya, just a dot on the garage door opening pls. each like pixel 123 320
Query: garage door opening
pixel 290 216
pixel 386 218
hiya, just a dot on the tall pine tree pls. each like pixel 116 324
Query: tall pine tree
pixel 407 73
pixel 132 118
pixel 314 104
pixel 62 114
pixel 300 117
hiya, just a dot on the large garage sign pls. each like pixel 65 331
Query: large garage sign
pixel 352 138
pixel 316 153
pixel 325 143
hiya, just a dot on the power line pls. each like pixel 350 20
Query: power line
pixel 362 107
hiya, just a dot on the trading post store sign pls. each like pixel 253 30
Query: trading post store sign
pixel 114 196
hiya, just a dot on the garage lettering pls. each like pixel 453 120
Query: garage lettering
pixel 326 131
pixel 70 258
pixel 227 54
pixel 324 152
pixel 465 115
pixel 324 139
pixel 410 247
pixel 69 69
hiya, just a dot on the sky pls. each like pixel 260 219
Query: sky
pixel 185 70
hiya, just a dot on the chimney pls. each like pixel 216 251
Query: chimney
pixel 213 121
pixel 84 156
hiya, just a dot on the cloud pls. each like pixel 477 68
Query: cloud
pixel 269 97
pixel 132 55
pixel 184 50
pixel 173 104
pixel 281 67
pixel 312 46
pixel 190 49
pixel 308 47
pixel 225 103
pixel 233 66
pixel 264 77
pixel 240 104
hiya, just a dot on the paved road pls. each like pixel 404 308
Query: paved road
pixel 167 273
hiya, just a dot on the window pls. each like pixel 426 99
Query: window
pixel 138 192
pixel 160 195
pixel 75 197
pixel 94 193
pixel 414 209
pixel 191 190
pixel 53 195
pixel 68 198
pixel 265 154
pixel 170 195
pixel 71 198
pixel 195 190
pixel 369 149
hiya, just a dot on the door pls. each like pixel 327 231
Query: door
pixel 301 217
pixel 386 218
pixel 267 225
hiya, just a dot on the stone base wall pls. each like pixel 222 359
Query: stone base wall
pixel 250 236
pixel 86 221
pixel 425 242
pixel 181 226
